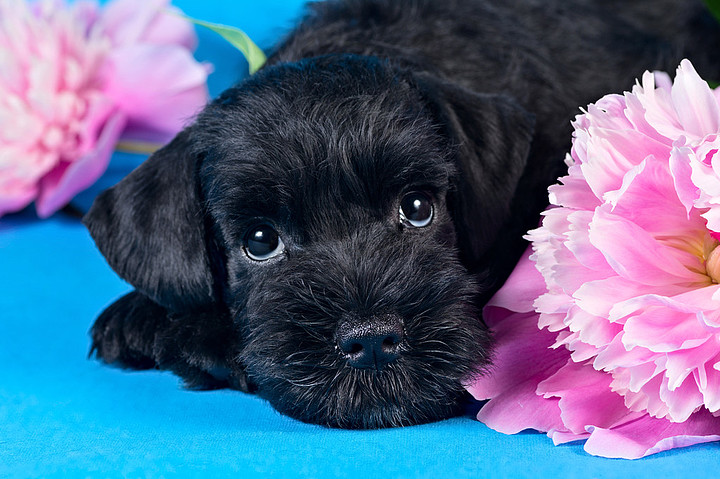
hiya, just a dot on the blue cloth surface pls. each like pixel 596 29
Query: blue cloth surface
pixel 62 415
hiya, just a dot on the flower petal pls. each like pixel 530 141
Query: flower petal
pixel 683 400
pixel 663 330
pixel 573 191
pixel 647 435
pixel 681 170
pixel 586 398
pixel 522 354
pixel 518 409
pixel 159 87
pixel 521 289
pixel 16 199
pixel 522 359
pixel 635 255
pixel 146 21
pixel 600 297
pixel 60 185
pixel 649 199
pixel 626 283
pixel 655 97
pixel 695 103
pixel 688 301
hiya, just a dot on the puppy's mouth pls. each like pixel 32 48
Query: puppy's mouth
pixel 365 352
pixel 421 383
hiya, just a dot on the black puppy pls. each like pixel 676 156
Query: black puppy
pixel 325 233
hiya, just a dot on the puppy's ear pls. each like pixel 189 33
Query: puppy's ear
pixel 493 135
pixel 150 228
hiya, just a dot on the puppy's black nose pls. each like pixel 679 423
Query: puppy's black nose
pixel 371 343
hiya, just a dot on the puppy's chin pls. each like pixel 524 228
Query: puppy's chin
pixel 291 352
pixel 311 381
pixel 409 391
pixel 364 399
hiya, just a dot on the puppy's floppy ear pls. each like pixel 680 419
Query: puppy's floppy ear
pixel 150 228
pixel 493 134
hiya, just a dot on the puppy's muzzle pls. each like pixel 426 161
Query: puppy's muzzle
pixel 371 343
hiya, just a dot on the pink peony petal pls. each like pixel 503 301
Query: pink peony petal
pixel 170 28
pixel 56 116
pixel 575 274
pixel 12 201
pixel 603 170
pixel 525 283
pixel 60 185
pixel 647 397
pixel 612 153
pixel 681 401
pixel 607 114
pixel 681 170
pixel 553 322
pixel 574 191
pixel 647 435
pixel 708 378
pixel 688 301
pixel 585 253
pixel 521 408
pixel 702 176
pixel 636 255
pixel 563 437
pixel 635 109
pixel 146 21
pixel 683 363
pixel 661 331
pixel 146 80
pixel 695 103
pixel 517 345
pixel 713 218
pixel 648 198
pixel 521 361
pixel 616 356
pixel 586 398
pixel 591 329
pixel 600 297
pixel 626 380
pixel 626 293
pixel 657 103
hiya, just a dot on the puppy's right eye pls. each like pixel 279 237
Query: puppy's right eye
pixel 262 242
pixel 416 209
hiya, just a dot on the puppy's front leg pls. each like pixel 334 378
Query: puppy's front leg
pixel 124 334
pixel 135 332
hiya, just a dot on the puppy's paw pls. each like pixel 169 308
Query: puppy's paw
pixel 124 333
pixel 200 347
pixel 135 332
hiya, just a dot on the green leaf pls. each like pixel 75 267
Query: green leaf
pixel 714 7
pixel 239 39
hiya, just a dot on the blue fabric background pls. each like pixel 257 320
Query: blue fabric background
pixel 62 415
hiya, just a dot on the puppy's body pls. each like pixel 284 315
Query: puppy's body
pixel 551 57
pixel 371 118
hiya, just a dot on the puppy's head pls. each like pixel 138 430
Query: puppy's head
pixel 338 209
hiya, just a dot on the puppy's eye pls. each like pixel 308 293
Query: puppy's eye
pixel 263 242
pixel 416 209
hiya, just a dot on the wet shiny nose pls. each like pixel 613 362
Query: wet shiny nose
pixel 371 343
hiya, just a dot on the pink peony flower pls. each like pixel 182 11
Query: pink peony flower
pixel 610 330
pixel 76 78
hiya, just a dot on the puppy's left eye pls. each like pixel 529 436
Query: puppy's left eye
pixel 262 242
pixel 416 209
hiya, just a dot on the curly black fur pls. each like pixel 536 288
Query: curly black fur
pixel 367 100
pixel 291 318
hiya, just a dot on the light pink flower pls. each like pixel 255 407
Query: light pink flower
pixel 610 330
pixel 76 78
